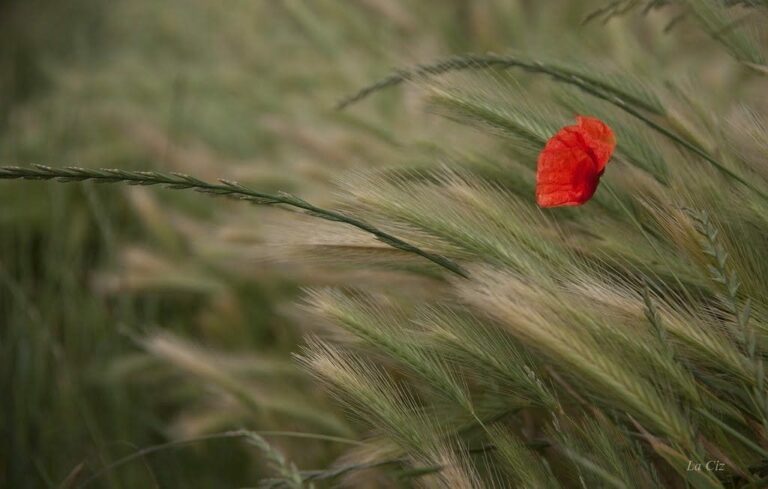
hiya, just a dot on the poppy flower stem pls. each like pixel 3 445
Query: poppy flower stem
pixel 224 188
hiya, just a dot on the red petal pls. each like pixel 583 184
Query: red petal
pixel 598 137
pixel 570 165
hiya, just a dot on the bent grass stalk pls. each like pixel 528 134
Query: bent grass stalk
pixel 612 94
pixel 225 188
pixel 256 438
pixel 488 61
pixel 246 434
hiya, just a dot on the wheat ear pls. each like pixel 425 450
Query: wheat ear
pixel 224 188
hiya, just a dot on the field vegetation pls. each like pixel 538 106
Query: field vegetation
pixel 380 302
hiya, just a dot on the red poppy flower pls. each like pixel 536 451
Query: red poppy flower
pixel 571 163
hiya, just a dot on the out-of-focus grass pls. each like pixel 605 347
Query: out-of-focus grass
pixel 242 90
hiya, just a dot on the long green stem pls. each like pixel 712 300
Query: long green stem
pixel 215 436
pixel 223 188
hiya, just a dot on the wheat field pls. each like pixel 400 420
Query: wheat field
pixel 296 244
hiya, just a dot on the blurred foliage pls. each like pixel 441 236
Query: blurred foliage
pixel 131 317
pixel 241 91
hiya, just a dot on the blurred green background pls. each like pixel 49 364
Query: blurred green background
pixel 90 274
pixel 133 316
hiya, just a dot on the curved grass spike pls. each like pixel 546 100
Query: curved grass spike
pixel 224 188
pixel 595 87
pixel 620 7
pixel 487 61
